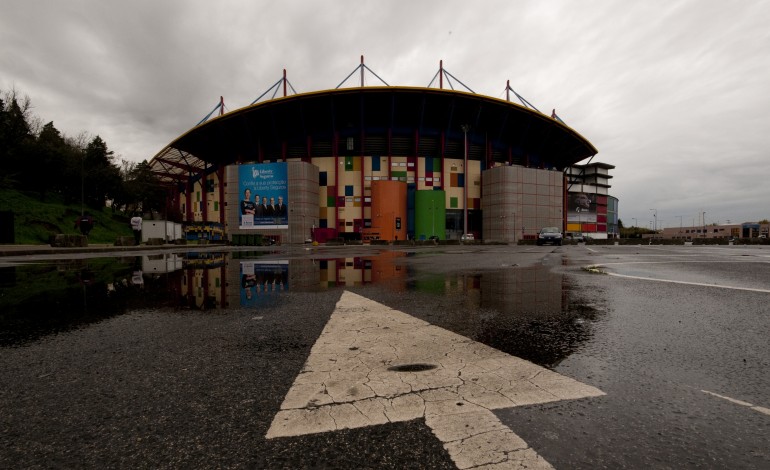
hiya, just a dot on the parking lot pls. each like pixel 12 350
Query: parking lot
pixel 579 356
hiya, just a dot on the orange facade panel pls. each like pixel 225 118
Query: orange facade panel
pixel 388 211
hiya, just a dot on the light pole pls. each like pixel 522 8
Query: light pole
pixel 704 224
pixel 465 128
pixel 680 225
pixel 655 218
pixel 82 182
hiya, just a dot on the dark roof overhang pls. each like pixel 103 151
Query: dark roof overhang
pixel 383 121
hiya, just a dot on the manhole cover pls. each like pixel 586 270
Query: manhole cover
pixel 412 367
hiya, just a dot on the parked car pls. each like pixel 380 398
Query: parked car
pixel 467 237
pixel 549 235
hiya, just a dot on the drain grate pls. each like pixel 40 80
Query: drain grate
pixel 412 367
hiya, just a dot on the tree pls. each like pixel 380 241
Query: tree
pixel 101 178
pixel 15 139
pixel 51 154
pixel 144 190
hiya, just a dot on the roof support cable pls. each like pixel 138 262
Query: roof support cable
pixel 361 67
pixel 346 78
pixel 521 98
pixel 556 116
pixel 372 72
pixel 209 114
pixel 442 72
pixel 290 86
pixel 582 171
pixel 458 81
pixel 449 82
pixel 433 79
pixel 275 85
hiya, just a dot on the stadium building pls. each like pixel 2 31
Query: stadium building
pixel 381 163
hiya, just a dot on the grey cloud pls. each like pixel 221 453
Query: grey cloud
pixel 672 93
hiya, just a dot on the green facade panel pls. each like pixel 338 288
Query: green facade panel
pixel 430 214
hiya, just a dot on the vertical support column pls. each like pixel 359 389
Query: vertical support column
pixel 390 151
pixel 204 195
pixel 222 203
pixel 335 153
pixel 284 82
pixel 441 74
pixel 565 204
pixel 190 212
pixel 465 179
pixel 362 71
pixel 443 151
pixel 416 159
pixel 362 157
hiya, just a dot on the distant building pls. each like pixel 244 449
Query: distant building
pixel 745 230
pixel 591 211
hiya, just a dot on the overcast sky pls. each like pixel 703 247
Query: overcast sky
pixel 675 94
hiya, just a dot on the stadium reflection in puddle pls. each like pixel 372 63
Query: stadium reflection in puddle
pixel 527 312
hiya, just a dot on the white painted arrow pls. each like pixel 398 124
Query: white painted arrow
pixel 348 381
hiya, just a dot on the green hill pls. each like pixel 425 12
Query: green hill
pixel 35 220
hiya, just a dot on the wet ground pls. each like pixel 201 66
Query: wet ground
pixel 635 357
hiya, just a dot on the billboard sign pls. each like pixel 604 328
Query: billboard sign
pixel 264 196
pixel 582 207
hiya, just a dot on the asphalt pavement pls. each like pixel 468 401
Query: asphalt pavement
pixel 477 356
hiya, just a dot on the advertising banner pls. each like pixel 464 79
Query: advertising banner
pixel 264 196
pixel 259 280
pixel 582 208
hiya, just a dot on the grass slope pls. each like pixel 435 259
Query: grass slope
pixel 35 220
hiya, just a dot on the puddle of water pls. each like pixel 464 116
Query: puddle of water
pixel 526 312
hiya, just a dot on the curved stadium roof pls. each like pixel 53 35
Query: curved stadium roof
pixel 374 121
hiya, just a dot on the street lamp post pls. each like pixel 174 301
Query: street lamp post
pixel 82 183
pixel 655 219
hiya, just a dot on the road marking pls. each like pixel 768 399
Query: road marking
pixel 348 381
pixel 702 284
pixel 760 409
